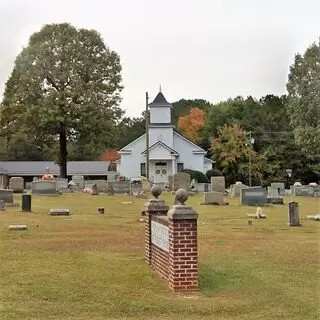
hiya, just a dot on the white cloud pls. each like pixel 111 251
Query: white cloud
pixel 211 49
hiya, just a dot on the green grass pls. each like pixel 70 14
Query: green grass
pixel 88 266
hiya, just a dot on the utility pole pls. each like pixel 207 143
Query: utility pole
pixel 250 160
pixel 251 141
pixel 147 136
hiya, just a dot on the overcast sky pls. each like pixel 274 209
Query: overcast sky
pixel 209 49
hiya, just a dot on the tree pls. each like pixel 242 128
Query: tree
pixel 191 125
pixel 131 129
pixel 183 106
pixel 65 86
pixel 304 100
pixel 232 151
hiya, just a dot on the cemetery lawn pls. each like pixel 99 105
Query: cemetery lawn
pixel 90 266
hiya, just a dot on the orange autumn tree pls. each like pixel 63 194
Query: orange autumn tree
pixel 191 125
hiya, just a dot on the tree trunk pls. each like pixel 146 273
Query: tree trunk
pixel 63 154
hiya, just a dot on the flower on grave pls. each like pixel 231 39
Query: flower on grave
pixel 136 180
pixel 87 190
pixel 122 178
pixel 47 177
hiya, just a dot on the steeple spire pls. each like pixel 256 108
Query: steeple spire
pixel 160 88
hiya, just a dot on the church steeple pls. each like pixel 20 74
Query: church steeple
pixel 159 99
pixel 160 111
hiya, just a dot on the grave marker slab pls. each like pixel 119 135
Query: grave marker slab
pixel 6 195
pixel 304 191
pixel 235 189
pixel 2 208
pixel 78 181
pixel 95 191
pixel 180 180
pixel 218 184
pixel 253 196
pixel 62 185
pixel 294 214
pixel 120 187
pixel 59 212
pixel 17 227
pixel 255 216
pixel 44 187
pixel 16 184
pixel 280 187
pixel 213 197
pixel 274 196
pixel 315 218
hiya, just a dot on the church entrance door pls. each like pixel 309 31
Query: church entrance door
pixel 161 172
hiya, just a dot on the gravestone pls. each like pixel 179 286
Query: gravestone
pixel 95 190
pixel 235 189
pixel 2 208
pixel 146 185
pixel 78 182
pixel 26 203
pixel 218 184
pixel 280 187
pixel 28 185
pixel 16 184
pixel 44 187
pixel 206 187
pixel 109 190
pixel 213 197
pixel 136 188
pixel 315 218
pixel 101 185
pixel 88 184
pixel 111 176
pixel 6 195
pixel 253 196
pixel 194 185
pixel 180 180
pixel 62 185
pixel 294 214
pixel 120 187
pixel 17 227
pixel 59 212
pixel 304 191
pixel 273 196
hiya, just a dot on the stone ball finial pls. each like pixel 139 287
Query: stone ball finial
pixel 156 191
pixel 181 196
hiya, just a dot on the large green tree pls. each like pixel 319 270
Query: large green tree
pixel 65 86
pixel 235 156
pixel 304 100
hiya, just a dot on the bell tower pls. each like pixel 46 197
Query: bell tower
pixel 160 126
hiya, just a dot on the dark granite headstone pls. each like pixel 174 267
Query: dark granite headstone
pixel 253 196
pixel 294 214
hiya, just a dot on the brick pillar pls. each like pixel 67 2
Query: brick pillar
pixel 183 249
pixel 152 207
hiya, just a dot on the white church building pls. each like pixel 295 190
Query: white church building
pixel 169 151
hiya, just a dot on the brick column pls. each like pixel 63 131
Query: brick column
pixel 152 207
pixel 183 251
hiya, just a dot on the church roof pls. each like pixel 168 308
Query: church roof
pixel 159 100
pixel 172 151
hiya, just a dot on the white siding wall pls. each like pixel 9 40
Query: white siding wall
pixel 159 152
pixel 160 114
pixel 207 166
pixel 190 160
pixel 130 163
pixel 161 134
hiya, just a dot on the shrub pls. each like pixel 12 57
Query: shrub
pixel 213 173
pixel 197 175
